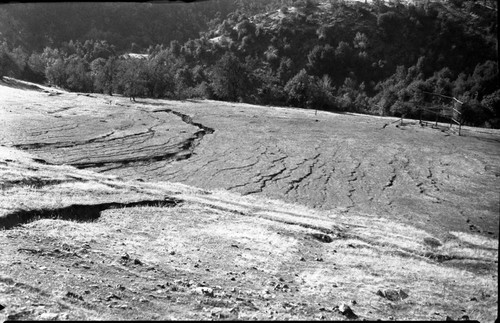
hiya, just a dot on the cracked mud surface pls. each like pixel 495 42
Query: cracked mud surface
pixel 170 251
pixel 281 217
pixel 348 163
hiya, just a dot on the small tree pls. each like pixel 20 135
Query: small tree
pixel 229 78
pixel 8 66
pixel 55 73
pixel 102 71
pixel 78 77
pixel 324 97
pixel 304 91
pixel 131 78
pixel 492 103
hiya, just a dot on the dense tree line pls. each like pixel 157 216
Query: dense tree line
pixel 127 26
pixel 379 58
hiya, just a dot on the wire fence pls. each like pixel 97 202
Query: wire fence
pixel 450 114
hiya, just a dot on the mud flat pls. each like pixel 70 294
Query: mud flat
pixel 211 210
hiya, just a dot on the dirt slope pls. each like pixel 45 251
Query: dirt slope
pixel 349 163
pixel 169 251
pixel 79 242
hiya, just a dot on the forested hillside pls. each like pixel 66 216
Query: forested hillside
pixel 125 25
pixel 380 58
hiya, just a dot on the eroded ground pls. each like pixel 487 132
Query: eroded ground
pixel 417 175
pixel 94 226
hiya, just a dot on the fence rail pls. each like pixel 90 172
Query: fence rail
pixel 451 113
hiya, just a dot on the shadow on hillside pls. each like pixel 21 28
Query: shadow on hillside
pixel 13 83
pixel 152 103
pixel 77 212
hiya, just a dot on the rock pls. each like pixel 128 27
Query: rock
pixel 449 318
pixel 403 294
pixel 322 237
pixel 14 316
pixel 465 318
pixel 172 253
pixel 137 262
pixel 75 296
pixel 64 316
pixel 125 257
pixel 206 291
pixel 432 242
pixel 473 299
pixel 49 316
pixel 319 259
pixel 345 310
pixel 302 259
pixel 393 294
pixel 111 296
pixel 221 314
pixel 1 307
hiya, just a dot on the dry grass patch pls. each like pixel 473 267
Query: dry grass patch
pixel 266 258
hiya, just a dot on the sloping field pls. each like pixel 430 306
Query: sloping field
pixel 349 163
pixel 277 213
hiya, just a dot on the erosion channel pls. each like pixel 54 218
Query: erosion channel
pixel 166 209
pixel 349 163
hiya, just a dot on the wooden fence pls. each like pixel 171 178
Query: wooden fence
pixel 450 113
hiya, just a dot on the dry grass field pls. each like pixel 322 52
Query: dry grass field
pixel 210 210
